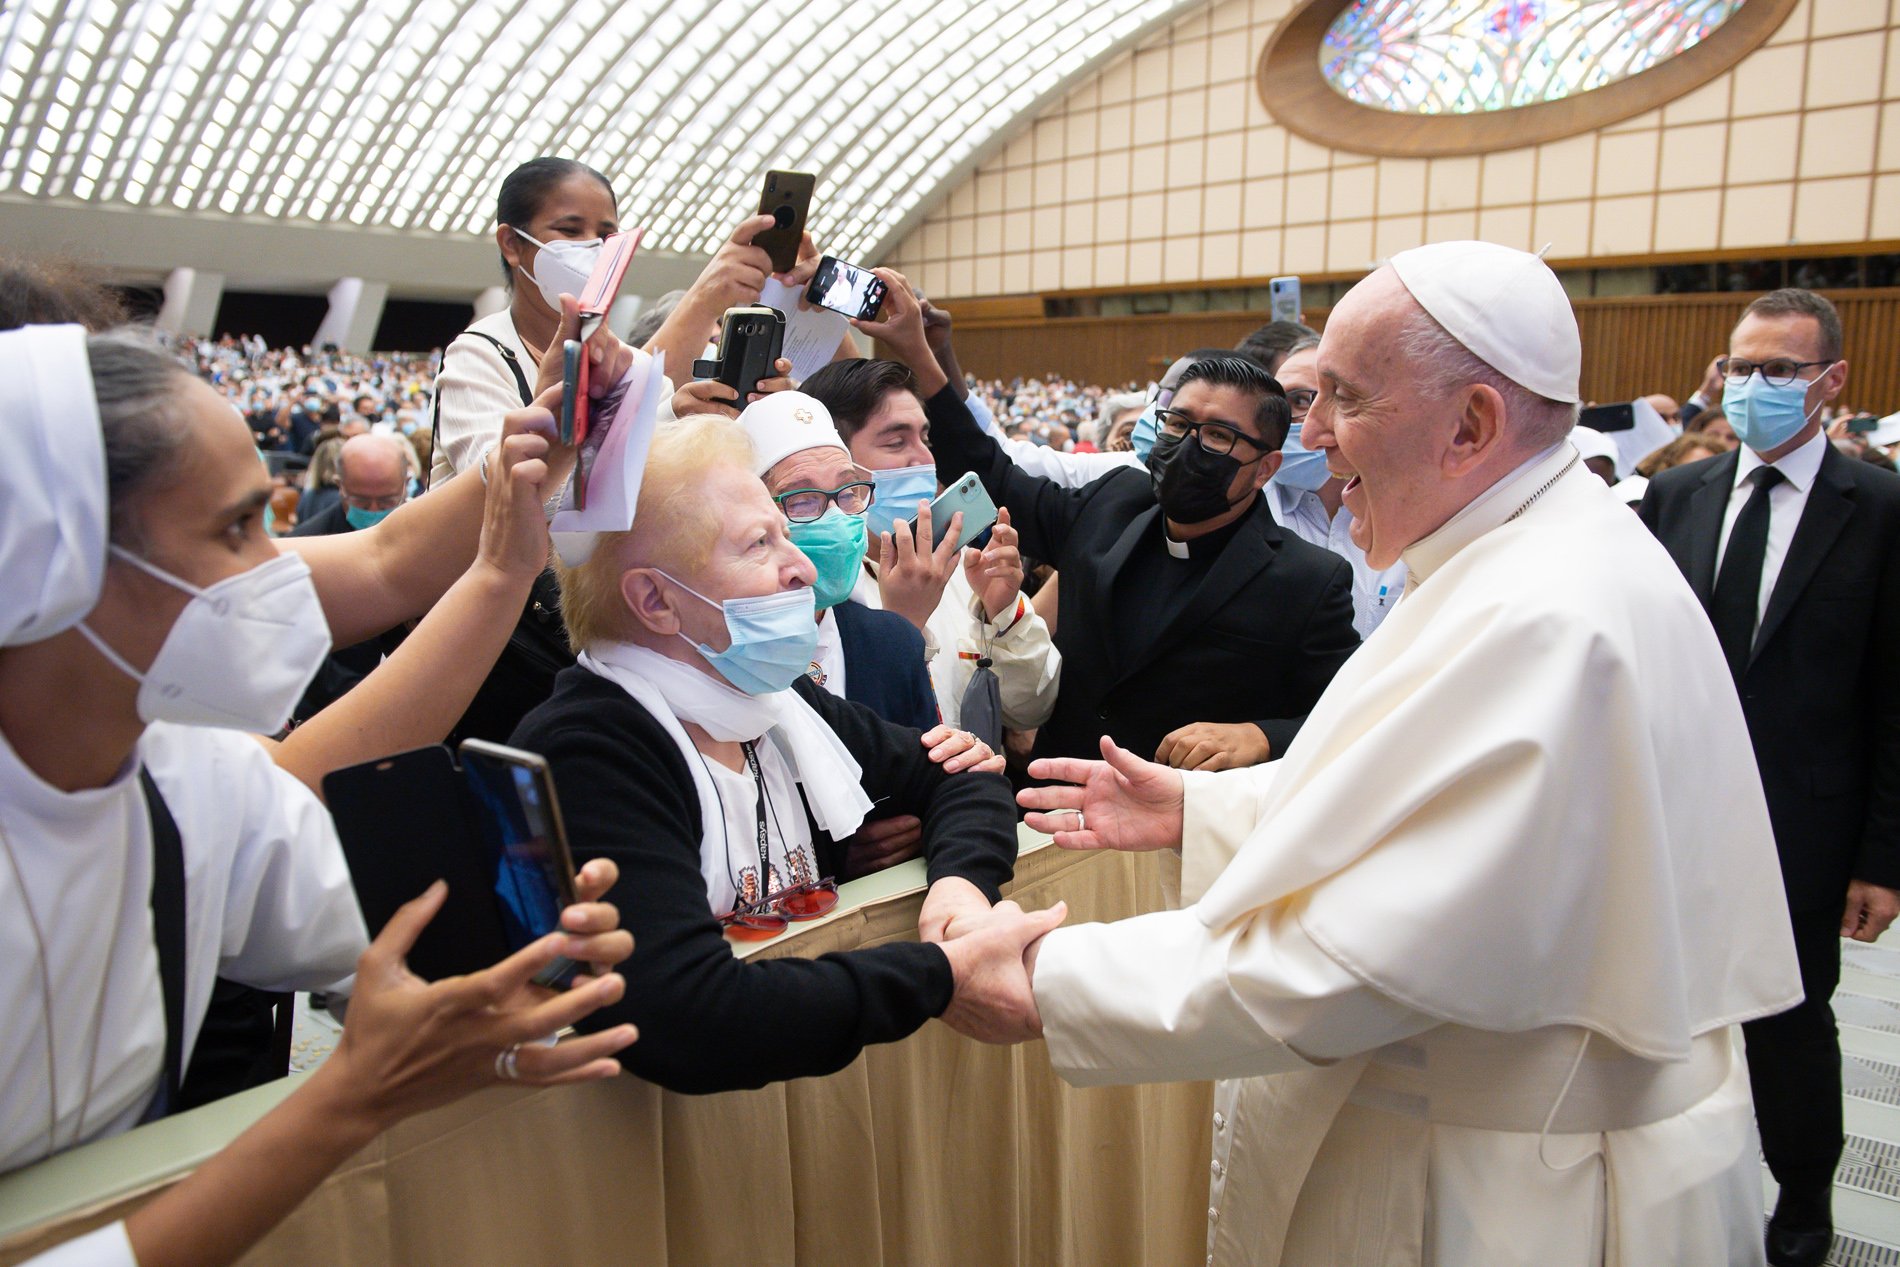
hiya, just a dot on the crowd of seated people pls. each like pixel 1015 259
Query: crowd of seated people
pixel 783 676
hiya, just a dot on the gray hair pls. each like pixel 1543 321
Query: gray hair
pixel 650 318
pixel 135 384
pixel 1441 366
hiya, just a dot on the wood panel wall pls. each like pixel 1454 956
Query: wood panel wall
pixel 1631 347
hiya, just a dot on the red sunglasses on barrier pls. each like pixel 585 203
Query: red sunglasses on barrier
pixel 773 913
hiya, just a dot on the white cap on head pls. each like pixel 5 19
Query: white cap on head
pixel 1591 443
pixel 53 514
pixel 1506 306
pixel 785 423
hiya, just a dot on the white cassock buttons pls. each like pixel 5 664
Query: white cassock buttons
pixel 1218 1169
pixel 1220 1122
pixel 1213 1214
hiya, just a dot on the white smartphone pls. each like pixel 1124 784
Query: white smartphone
pixel 1283 298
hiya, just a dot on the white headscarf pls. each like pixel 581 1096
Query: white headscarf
pixel 52 484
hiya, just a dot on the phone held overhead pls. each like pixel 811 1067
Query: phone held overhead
pixel 750 342
pixel 850 289
pixel 596 300
pixel 786 197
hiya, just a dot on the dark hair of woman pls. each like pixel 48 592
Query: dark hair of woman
pixel 527 187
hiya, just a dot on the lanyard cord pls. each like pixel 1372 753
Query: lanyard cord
pixel 765 850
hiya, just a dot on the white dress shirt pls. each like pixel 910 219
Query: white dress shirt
pixel 1374 590
pixel 1786 501
pixel 829 658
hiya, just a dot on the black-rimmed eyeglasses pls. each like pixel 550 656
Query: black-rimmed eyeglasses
pixel 1779 372
pixel 1215 436
pixel 808 505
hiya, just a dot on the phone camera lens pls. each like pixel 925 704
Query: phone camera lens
pixel 782 216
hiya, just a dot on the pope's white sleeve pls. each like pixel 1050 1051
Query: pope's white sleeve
pixel 1219 811
pixel 1164 998
pixel 291 921
pixel 107 1247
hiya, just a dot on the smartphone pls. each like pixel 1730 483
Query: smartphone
pixel 846 288
pixel 1283 299
pixel 573 391
pixel 751 340
pixel 787 199
pixel 1862 424
pixel 1607 418
pixel 521 822
pixel 968 496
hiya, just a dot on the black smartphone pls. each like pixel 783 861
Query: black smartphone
pixel 751 341
pixel 787 199
pixel 521 822
pixel 846 288
pixel 1608 418
pixel 491 828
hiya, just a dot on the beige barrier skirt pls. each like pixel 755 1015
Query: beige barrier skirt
pixel 935 1150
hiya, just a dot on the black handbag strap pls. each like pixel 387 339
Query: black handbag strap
pixel 435 411
pixel 168 927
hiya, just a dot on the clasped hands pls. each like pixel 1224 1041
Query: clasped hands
pixel 1121 802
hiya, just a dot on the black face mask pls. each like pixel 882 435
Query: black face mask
pixel 1190 483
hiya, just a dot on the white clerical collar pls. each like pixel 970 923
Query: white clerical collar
pixel 1176 549
pixel 1798 468
pixel 1490 509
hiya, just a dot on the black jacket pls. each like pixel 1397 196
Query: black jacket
pixel 884 667
pixel 1258 641
pixel 1821 697
pixel 709 1021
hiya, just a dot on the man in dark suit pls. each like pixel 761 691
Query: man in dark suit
pixel 1794 550
pixel 1191 627
pixel 374 480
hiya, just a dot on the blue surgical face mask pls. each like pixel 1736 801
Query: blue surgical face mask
pixel 835 545
pixel 898 493
pixel 1301 467
pixel 360 518
pixel 774 638
pixel 1765 416
pixel 1145 434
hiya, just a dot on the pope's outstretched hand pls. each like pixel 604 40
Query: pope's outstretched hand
pixel 1121 803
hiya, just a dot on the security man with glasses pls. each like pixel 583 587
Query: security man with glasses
pixel 1794 550
pixel 1191 625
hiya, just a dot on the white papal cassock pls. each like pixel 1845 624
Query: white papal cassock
pixel 1516 864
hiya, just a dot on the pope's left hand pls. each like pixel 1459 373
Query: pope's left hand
pixel 1207 745
pixel 952 908
pixel 959 750
pixel 1870 908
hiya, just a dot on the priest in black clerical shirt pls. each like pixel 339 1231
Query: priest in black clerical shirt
pixel 1192 628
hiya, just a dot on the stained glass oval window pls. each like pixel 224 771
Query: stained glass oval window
pixel 1468 56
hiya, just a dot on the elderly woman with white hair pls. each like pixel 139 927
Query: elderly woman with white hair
pixel 690 746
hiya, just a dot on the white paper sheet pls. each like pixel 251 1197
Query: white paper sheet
pixel 812 334
pixel 613 486
pixel 1648 434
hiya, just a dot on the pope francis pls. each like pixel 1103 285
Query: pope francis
pixel 1469 957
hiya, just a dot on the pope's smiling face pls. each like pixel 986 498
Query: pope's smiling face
pixel 1379 432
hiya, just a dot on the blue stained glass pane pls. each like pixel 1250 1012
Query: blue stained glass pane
pixel 1465 56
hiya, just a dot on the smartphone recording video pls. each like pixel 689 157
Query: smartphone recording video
pixel 846 288
pixel 521 821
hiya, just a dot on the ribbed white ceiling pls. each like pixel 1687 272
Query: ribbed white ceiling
pixel 406 114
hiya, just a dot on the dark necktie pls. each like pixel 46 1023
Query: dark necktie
pixel 1737 599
